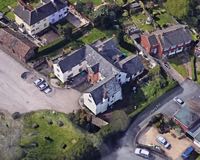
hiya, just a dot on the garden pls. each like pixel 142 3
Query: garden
pixel 151 87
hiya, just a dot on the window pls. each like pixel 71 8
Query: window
pixel 89 100
pixel 65 12
pixel 60 15
pixel 58 70
pixel 80 70
pixel 45 25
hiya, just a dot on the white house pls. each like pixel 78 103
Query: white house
pixel 101 96
pixel 34 20
pixel 103 72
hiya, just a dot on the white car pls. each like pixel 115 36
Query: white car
pixel 178 100
pixel 163 142
pixel 47 90
pixel 43 86
pixel 38 81
pixel 142 152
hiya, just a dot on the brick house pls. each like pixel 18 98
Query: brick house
pixel 167 42
pixel 16 45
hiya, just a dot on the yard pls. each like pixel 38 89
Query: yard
pixel 178 64
pixel 149 90
pixel 54 136
pixel 178 145
pixel 140 21
pixel 4 7
pixel 92 36
pixel 95 2
pixel 162 18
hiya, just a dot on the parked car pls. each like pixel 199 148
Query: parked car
pixel 38 81
pixel 43 86
pixel 187 153
pixel 178 100
pixel 142 152
pixel 163 142
pixel 47 90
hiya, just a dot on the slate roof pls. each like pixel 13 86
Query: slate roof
pixel 93 59
pixel 11 41
pixel 131 64
pixel 36 15
pixel 173 35
pixel 104 89
pixel 186 116
pixel 153 40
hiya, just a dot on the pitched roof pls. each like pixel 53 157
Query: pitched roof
pixel 108 49
pixel 153 40
pixel 16 42
pixel 93 58
pixel 131 64
pixel 104 89
pixel 46 9
pixel 186 116
pixel 173 35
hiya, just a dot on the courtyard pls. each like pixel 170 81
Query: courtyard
pixel 178 145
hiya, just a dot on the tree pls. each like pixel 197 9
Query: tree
pixel 68 32
pixel 178 8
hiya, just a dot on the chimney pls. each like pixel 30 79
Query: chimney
pixel 105 94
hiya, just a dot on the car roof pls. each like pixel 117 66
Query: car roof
pixel 144 151
pixel 162 139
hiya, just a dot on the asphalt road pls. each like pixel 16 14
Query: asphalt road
pixel 125 150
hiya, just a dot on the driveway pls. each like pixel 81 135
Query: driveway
pixel 17 94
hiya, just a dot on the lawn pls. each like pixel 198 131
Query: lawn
pixel 164 19
pixel 178 66
pixel 4 7
pixel 92 36
pixel 57 137
pixel 140 21
pixel 149 92
pixel 95 2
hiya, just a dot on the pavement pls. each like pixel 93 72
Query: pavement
pixel 20 95
pixel 165 104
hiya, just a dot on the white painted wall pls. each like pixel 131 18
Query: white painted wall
pixel 122 78
pixel 73 72
pixel 44 23
pixel 101 107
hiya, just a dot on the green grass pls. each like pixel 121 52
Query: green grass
pixel 140 21
pixel 178 66
pixel 148 94
pixel 4 7
pixel 66 134
pixel 164 18
pixel 95 2
pixel 92 36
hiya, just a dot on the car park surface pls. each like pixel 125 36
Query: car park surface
pixel 19 95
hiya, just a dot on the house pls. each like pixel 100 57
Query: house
pixel 107 69
pixel 167 42
pixel 84 59
pixel 188 118
pixel 34 20
pixel 16 45
pixel 130 67
pixel 101 96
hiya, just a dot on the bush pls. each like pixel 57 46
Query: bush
pixel 118 125
pixel 16 115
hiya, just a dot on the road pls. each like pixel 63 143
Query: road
pixel 19 95
pixel 126 145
